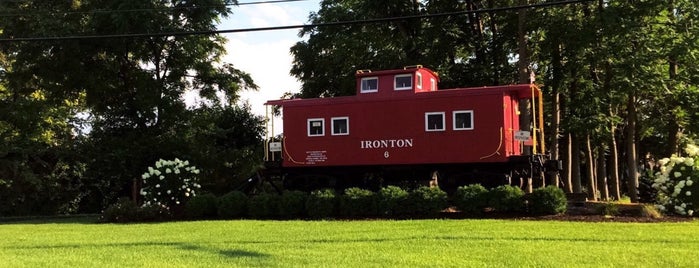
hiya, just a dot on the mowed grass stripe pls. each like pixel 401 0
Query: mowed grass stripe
pixel 445 243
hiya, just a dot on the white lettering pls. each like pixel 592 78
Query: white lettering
pixel 388 143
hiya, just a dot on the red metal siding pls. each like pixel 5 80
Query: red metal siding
pixel 397 126
pixel 386 82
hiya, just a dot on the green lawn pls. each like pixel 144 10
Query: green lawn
pixel 423 243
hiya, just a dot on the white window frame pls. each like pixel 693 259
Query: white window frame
pixel 322 127
pixel 361 84
pixel 395 85
pixel 427 125
pixel 332 120
pixel 433 84
pixel 419 81
pixel 455 127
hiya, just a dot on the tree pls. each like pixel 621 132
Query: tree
pixel 467 50
pixel 39 170
pixel 130 89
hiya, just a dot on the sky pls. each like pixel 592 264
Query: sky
pixel 265 54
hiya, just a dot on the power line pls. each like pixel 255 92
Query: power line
pixel 287 27
pixel 108 11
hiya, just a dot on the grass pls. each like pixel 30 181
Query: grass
pixel 410 243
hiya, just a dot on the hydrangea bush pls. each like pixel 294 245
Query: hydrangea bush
pixel 169 183
pixel 677 183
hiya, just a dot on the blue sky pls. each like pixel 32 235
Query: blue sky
pixel 265 55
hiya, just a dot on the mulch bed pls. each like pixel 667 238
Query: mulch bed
pixel 588 212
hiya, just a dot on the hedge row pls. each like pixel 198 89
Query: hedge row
pixel 390 202
pixel 475 200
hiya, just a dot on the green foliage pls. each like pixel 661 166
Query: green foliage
pixel 607 209
pixel 471 199
pixel 232 205
pixel 226 144
pixel 125 210
pixel 116 104
pixel 292 204
pixel 152 213
pixel 264 206
pixel 357 202
pixel 427 201
pixel 321 204
pixel 392 201
pixel 201 207
pixel 462 51
pixel 650 211
pixel 549 200
pixel 506 198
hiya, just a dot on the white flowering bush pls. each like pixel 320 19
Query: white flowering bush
pixel 677 183
pixel 169 183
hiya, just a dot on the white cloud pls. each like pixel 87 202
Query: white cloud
pixel 265 55
pixel 268 63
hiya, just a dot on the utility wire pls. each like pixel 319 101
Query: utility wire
pixel 287 27
pixel 108 11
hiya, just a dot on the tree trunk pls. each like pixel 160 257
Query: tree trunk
pixel 523 64
pixel 525 118
pixel 602 174
pixel 631 157
pixel 495 51
pixel 674 130
pixel 556 106
pixel 590 170
pixel 575 163
pixel 568 173
pixel 614 166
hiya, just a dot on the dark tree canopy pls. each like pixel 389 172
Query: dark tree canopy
pixel 129 92
pixel 467 50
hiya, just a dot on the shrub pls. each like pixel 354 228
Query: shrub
pixel 428 201
pixel 264 206
pixel 124 210
pixel 153 212
pixel 392 200
pixel 170 183
pixel 292 204
pixel 357 202
pixel 607 209
pixel 201 207
pixel 677 192
pixel 232 205
pixel 471 199
pixel 650 211
pixel 321 203
pixel 506 198
pixel 547 201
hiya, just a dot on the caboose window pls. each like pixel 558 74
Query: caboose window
pixel 369 84
pixel 340 126
pixel 434 121
pixel 315 127
pixel 419 81
pixel 463 120
pixel 433 84
pixel 404 82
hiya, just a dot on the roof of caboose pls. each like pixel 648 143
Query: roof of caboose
pixel 407 69
pixel 523 91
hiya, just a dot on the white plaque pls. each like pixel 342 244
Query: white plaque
pixel 522 135
pixel 275 146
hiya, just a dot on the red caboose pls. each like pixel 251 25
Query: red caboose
pixel 400 120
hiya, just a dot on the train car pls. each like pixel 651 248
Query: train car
pixel 401 126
